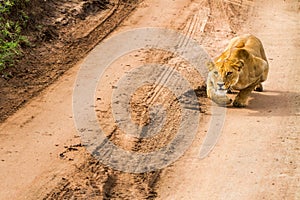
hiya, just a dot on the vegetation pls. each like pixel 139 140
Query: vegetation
pixel 12 20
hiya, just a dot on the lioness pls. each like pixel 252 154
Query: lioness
pixel 242 66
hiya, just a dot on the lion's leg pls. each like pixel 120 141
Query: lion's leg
pixel 242 97
pixel 265 74
pixel 259 87
pixel 265 69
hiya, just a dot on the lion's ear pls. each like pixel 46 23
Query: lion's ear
pixel 210 65
pixel 239 65
pixel 243 53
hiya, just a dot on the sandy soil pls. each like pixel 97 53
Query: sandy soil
pixel 61 33
pixel 256 156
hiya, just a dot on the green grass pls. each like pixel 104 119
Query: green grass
pixel 12 20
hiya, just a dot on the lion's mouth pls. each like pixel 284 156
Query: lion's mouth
pixel 221 92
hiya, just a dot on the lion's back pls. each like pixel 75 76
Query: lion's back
pixel 249 42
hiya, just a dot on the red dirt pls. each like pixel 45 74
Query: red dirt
pixel 256 157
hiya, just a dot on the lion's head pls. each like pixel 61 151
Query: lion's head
pixel 215 86
pixel 229 67
pixel 214 79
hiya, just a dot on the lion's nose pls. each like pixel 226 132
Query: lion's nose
pixel 221 85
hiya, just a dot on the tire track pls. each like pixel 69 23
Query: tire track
pixel 142 186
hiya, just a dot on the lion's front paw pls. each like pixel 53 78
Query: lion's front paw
pixel 228 100
pixel 222 100
pixel 238 104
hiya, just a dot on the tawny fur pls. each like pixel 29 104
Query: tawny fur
pixel 242 66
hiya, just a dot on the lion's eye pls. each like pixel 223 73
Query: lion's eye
pixel 216 72
pixel 228 73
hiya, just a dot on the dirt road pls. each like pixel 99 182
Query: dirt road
pixel 256 156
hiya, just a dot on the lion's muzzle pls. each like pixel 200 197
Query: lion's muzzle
pixel 221 86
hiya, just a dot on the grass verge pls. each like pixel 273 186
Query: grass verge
pixel 12 20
